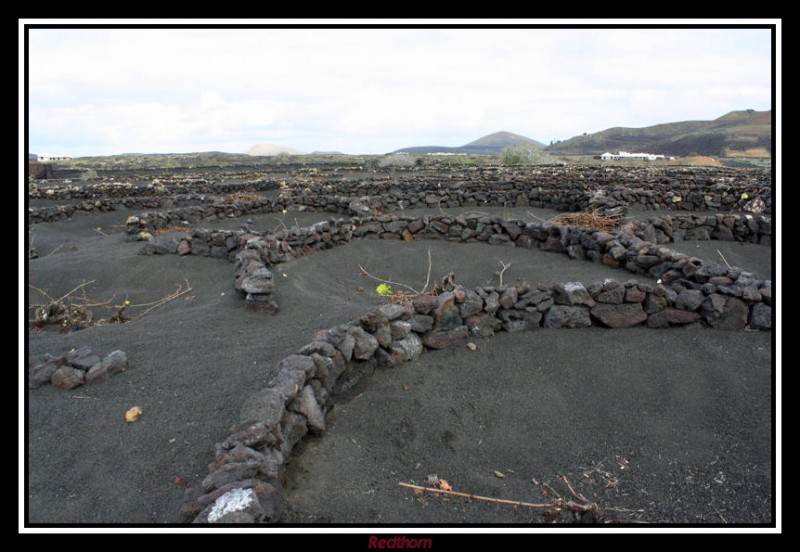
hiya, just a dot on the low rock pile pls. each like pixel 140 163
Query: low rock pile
pixel 75 368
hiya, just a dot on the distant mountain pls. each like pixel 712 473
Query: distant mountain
pixel 493 144
pixel 272 149
pixel 736 133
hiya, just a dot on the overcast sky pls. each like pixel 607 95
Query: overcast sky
pixel 103 91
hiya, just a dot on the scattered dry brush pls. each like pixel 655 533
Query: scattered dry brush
pixel 75 310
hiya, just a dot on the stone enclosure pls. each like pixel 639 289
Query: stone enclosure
pixel 672 205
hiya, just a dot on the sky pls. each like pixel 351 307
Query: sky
pixel 101 91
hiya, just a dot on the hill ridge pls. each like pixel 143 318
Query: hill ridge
pixel 491 144
pixel 735 131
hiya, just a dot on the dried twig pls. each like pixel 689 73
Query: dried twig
pixel 74 290
pixel 724 259
pixel 43 292
pixel 574 493
pixel 558 503
pixel 627 510
pixel 551 489
pixel 428 277
pixel 54 250
pixel 75 311
pixel 387 281
pixel 581 505
pixel 476 497
pixel 180 291
pixel 500 274
pixel 90 303
pixel 530 214
pixel 439 206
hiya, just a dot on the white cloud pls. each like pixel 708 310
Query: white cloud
pixel 105 91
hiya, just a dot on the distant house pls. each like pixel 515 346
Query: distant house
pixel 627 155
pixel 51 158
pixel 33 157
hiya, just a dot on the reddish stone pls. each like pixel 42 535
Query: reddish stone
pixel 68 378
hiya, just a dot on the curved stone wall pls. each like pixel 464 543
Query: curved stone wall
pixel 245 477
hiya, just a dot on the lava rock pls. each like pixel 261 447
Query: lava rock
pixel 365 344
pixel 619 316
pixel 572 293
pixel 255 501
pixel 42 370
pixel 564 316
pixel 761 317
pixel 82 358
pixel 293 428
pixel 472 304
pixel 97 373
pixel 67 377
pixel 306 404
pixel 408 348
pixel 725 312
pixel 446 315
pixel 115 362
pixel 444 339
pixel 265 406
pixel 260 282
pixel 689 300
pixel 424 304
pixel 482 324
pixel 670 316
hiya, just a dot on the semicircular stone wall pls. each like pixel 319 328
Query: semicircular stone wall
pixel 245 475
pixel 244 480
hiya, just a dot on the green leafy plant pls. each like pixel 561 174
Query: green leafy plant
pixel 383 289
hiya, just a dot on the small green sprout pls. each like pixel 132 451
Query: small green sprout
pixel 384 289
pixel 745 196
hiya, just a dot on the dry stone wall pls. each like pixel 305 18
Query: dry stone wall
pixel 244 484
pixel 164 186
pixel 55 213
pixel 677 274
pixel 559 188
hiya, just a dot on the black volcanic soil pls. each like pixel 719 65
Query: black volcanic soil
pixel 675 422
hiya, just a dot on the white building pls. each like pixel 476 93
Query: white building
pixel 627 155
pixel 50 158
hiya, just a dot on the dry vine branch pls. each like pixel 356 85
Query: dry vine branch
pixel 387 281
pixel 439 206
pixel 74 290
pixel 180 291
pixel 475 497
pixel 556 505
pixel 530 214
pixel 54 250
pixel 69 311
pixel 428 277
pixel 43 292
pixel 500 274
pixel 723 258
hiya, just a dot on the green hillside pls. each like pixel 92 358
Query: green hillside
pixel 733 133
